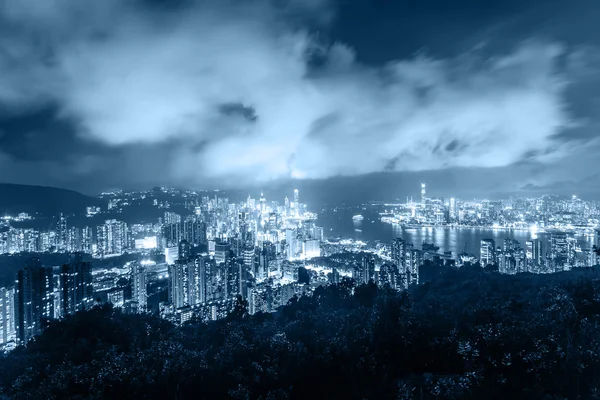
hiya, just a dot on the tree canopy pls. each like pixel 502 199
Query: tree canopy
pixel 468 334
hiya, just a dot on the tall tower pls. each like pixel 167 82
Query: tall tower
pixel 35 299
pixel 263 203
pixel 297 202
pixel 487 252
pixel 139 290
pixel 423 195
pixel 7 315
pixel 61 229
pixel 77 291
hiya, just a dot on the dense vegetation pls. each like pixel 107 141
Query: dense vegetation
pixel 468 334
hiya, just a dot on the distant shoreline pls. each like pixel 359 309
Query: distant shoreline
pixel 500 228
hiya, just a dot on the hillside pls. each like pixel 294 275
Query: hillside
pixel 47 201
pixel 468 335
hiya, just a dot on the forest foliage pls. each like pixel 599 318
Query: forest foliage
pixel 467 334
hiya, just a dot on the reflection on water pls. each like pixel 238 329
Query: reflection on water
pixel 340 224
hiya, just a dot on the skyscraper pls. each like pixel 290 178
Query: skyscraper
pixel 533 252
pixel 7 315
pixel 189 278
pixel 222 250
pixel 179 276
pixel 366 270
pixel 86 240
pixel 399 253
pixel 139 289
pixel 35 299
pixel 453 211
pixel 296 203
pixel 387 275
pixel 559 250
pixel 61 229
pixel 414 260
pixel 77 292
pixel 487 252
pixel 112 238
pixel 423 195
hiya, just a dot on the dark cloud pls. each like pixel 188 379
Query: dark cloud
pixel 229 93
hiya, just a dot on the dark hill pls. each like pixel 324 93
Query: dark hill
pixel 44 200
pixel 467 335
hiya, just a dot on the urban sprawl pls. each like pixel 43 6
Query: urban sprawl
pixel 197 263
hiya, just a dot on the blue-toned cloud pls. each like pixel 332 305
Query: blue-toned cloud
pixel 126 74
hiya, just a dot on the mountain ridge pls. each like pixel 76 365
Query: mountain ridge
pixel 45 200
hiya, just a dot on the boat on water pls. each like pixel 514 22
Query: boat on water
pixel 358 218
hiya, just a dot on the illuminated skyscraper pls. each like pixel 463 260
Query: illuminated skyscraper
pixel 112 238
pixel 180 277
pixel 453 210
pixel 222 251
pixel 76 290
pixel 61 229
pixel 7 315
pixel 559 251
pixel 487 252
pixel 423 195
pixel 236 277
pixel 86 240
pixel 35 299
pixel 387 275
pixel 73 239
pixel 263 204
pixel 139 289
pixel 366 270
pixel 296 203
pixel 171 218
pixel 533 252
pixel 414 260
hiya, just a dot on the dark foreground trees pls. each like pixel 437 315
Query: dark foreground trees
pixel 467 335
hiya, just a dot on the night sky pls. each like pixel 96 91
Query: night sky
pixel 357 98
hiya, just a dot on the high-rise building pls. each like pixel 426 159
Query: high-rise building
pixel 222 251
pixel 139 286
pixel 236 279
pixel 453 210
pixel 112 238
pixel 198 282
pixel 487 252
pixel 243 227
pixel 399 254
pixel 7 316
pixel 414 260
pixel 297 202
pixel 387 275
pixel 533 252
pixel 423 195
pixel 73 239
pixel 171 218
pixel 263 262
pixel 508 264
pixel 61 229
pixel 35 299
pixel 193 231
pixel 86 240
pixel 559 251
pixel 190 279
pixel 76 290
pixel 179 276
pixel 366 270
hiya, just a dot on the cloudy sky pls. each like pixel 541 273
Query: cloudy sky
pixel 354 97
